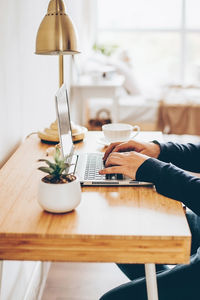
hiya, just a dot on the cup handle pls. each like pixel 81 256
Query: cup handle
pixel 136 128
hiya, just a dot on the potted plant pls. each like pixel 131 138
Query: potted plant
pixel 59 191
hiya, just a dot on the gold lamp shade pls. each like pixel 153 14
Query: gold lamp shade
pixel 56 34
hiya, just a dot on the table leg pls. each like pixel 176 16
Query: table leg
pixel 152 289
pixel 1 276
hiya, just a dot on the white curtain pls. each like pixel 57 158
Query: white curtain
pixel 84 14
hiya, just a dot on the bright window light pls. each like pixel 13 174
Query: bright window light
pixel 162 37
pixel 127 14
pixel 192 14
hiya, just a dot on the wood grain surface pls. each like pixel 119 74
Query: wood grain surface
pixel 112 224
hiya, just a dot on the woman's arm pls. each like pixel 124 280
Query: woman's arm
pixel 185 156
pixel 172 182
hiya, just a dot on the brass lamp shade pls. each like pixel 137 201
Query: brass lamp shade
pixel 56 34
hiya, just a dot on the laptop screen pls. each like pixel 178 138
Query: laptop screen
pixel 63 117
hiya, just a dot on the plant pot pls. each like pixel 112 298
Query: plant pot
pixel 59 197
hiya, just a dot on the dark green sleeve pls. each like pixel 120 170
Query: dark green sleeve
pixel 184 156
pixel 172 182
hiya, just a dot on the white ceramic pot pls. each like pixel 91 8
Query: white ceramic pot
pixel 59 197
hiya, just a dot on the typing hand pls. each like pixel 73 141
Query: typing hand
pixel 125 163
pixel 150 149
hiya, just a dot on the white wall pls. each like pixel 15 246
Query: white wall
pixel 28 83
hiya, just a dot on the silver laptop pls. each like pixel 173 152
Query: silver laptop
pixel 85 166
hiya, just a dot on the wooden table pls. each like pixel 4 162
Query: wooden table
pixel 112 224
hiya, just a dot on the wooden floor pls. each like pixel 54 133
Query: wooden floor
pixel 81 281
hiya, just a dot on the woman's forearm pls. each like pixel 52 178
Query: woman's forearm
pixel 172 182
pixel 185 156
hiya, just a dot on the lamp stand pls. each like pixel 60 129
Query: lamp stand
pixel 51 134
pixel 61 73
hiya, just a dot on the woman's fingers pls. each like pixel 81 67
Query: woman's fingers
pixel 125 163
pixel 109 150
pixel 115 159
pixel 123 147
pixel 112 170
pixel 126 146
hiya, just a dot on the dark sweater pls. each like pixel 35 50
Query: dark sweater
pixel 168 175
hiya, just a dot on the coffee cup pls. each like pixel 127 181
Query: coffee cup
pixel 119 132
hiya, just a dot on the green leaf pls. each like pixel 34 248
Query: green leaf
pixel 57 155
pixel 46 170
pixel 50 164
pixel 62 170
pixel 62 164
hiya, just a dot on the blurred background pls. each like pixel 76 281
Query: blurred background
pixel 139 64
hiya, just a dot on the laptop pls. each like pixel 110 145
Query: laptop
pixel 84 166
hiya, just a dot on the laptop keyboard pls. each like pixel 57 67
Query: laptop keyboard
pixel 93 165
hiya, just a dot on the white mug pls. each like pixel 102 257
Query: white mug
pixel 119 132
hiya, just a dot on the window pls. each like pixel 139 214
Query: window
pixel 162 37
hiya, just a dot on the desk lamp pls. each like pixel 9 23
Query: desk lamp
pixel 56 36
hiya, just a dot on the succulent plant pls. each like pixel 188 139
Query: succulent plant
pixel 57 170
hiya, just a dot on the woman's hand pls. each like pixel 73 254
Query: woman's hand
pixel 125 163
pixel 150 149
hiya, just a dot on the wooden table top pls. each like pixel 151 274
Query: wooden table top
pixel 112 224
